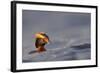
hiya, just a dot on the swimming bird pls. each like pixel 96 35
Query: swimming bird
pixel 41 40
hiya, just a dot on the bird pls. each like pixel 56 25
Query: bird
pixel 41 39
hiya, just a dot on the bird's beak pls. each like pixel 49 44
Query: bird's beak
pixel 46 40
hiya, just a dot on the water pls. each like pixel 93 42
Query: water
pixel 59 51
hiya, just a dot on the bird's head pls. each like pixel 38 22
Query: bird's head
pixel 42 35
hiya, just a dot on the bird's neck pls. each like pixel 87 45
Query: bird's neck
pixel 41 49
